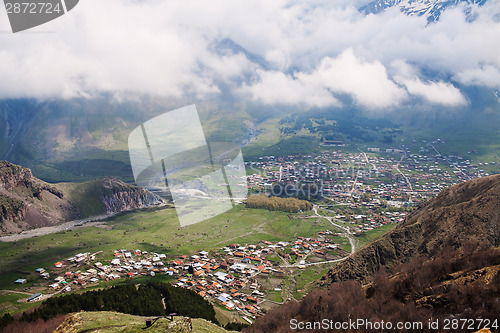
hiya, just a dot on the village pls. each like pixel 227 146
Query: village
pixel 393 177
pixel 235 277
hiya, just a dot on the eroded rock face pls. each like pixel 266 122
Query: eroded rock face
pixel 119 196
pixel 27 202
pixel 467 212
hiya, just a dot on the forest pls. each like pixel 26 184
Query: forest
pixel 142 300
pixel 290 205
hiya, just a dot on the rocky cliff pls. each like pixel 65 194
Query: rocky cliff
pixel 27 202
pixel 118 196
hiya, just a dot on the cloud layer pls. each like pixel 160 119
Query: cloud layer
pixel 314 52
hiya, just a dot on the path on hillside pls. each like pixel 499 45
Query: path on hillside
pixel 374 167
pixel 16 292
pixel 44 296
pixel 287 291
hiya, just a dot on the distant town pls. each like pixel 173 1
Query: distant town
pixel 390 176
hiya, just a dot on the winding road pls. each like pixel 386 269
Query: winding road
pixel 345 233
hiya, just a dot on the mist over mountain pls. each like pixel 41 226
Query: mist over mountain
pixel 305 54
pixel 83 138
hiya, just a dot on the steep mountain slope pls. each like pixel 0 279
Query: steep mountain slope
pixel 432 9
pixel 27 202
pixel 82 139
pixel 467 212
pixel 442 263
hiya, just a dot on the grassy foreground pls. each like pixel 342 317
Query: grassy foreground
pixel 107 322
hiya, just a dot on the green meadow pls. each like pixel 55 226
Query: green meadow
pixel 153 230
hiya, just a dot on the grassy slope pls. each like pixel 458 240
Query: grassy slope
pixel 118 322
pixel 153 231
pixel 269 135
pixel 84 196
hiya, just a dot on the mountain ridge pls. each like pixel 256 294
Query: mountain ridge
pixel 27 202
pixel 431 9
pixel 466 212
pixel 441 264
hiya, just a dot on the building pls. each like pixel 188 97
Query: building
pixel 20 281
pixel 35 297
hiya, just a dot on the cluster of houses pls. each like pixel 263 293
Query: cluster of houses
pixel 231 276
pixel 393 177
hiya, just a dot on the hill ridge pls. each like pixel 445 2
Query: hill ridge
pixel 27 202
pixel 466 212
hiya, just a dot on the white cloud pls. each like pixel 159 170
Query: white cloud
pixel 367 82
pixel 274 87
pixel 436 92
pixel 166 47
pixel 487 75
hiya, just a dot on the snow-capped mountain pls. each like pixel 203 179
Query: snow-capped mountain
pixel 431 9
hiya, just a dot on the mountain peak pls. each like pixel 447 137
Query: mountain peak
pixel 432 9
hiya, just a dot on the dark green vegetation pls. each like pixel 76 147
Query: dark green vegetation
pixel 291 205
pixel 143 300
pixel 340 125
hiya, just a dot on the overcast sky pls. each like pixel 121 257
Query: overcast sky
pixel 315 50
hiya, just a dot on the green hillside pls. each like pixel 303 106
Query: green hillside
pixel 108 322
